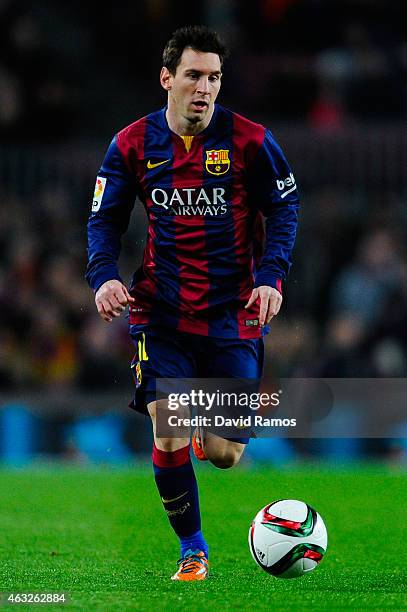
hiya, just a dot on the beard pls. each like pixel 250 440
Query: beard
pixel 193 120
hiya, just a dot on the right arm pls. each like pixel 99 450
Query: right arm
pixel 115 193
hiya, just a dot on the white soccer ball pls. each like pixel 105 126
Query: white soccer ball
pixel 288 538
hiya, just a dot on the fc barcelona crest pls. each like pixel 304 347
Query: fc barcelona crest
pixel 217 161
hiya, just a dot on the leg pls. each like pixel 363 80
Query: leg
pixel 232 358
pixel 176 483
pixel 222 453
pixel 164 353
pixel 164 444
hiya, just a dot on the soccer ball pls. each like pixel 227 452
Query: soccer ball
pixel 288 538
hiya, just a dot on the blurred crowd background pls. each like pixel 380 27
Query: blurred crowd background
pixel 329 79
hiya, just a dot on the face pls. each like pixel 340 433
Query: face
pixel 193 89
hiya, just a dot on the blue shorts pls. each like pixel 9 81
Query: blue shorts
pixel 166 353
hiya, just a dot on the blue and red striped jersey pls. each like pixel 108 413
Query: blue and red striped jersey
pixel 206 198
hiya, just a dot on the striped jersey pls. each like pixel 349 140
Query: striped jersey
pixel 222 210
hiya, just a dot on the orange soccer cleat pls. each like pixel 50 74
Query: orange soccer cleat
pixel 194 566
pixel 197 446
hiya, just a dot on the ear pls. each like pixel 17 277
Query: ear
pixel 165 78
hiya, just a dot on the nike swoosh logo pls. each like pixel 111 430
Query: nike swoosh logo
pixel 150 165
pixel 167 501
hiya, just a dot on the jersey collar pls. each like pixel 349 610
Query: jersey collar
pixel 209 128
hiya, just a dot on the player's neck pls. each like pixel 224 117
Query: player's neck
pixel 183 127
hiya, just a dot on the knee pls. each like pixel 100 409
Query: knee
pixel 226 459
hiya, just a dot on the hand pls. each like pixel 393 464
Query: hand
pixel 111 299
pixel 270 302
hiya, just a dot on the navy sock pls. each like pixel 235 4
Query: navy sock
pixel 176 483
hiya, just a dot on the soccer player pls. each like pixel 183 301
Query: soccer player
pixel 211 279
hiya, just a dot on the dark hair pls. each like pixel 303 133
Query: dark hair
pixel 199 38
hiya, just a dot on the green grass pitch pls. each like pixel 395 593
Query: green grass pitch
pixel 101 535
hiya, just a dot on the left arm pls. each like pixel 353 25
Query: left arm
pixel 273 191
